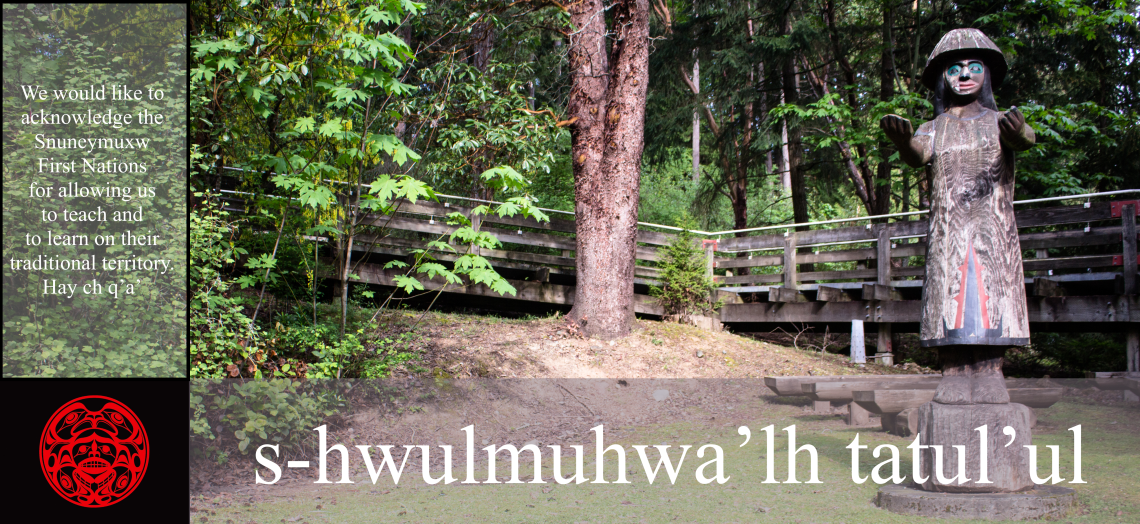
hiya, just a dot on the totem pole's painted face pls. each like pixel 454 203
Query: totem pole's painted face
pixel 965 77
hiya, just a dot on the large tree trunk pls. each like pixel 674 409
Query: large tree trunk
pixel 607 141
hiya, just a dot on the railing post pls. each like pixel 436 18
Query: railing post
pixel 790 275
pixel 1128 232
pixel 476 221
pixel 710 264
pixel 884 278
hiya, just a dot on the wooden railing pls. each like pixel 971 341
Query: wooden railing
pixel 1096 230
pixel 526 242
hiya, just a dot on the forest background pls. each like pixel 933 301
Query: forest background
pixel 757 113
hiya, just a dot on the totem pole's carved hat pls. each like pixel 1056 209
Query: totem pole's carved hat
pixel 959 42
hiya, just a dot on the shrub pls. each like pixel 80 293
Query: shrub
pixel 221 335
pixel 1070 355
pixel 224 413
pixel 686 288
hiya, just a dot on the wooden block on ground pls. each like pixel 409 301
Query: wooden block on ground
pixel 857 416
pixel 791 386
pixel 832 294
pixel 897 400
pixel 947 425
pixel 844 390
pixel 1111 383
pixel 887 420
pixel 786 386
pixel 1114 380
pixel 906 423
pixel 1035 397
pixel 892 400
pixel 783 294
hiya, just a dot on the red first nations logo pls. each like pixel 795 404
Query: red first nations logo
pixel 94 451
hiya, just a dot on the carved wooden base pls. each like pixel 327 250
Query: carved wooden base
pixel 973 394
pixel 953 428
pixel 1041 502
pixel 971 375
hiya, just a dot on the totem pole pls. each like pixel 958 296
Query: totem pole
pixel 973 298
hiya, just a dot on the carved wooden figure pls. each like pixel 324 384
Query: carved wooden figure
pixel 974 293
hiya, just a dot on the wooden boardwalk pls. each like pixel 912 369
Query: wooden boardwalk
pixel 820 278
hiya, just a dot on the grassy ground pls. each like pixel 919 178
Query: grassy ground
pixel 1111 460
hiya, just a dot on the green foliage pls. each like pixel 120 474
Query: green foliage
pixel 142 332
pixel 1072 71
pixel 1070 17
pixel 390 353
pixel 298 348
pixel 142 52
pixel 246 414
pixel 848 126
pixel 1067 355
pixel 1073 74
pixel 685 288
pixel 481 119
pixel 328 99
pixel 221 334
pixel 1069 137
pixel 316 91
pixel 663 185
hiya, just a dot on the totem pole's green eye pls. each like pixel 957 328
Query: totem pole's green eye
pixel 973 68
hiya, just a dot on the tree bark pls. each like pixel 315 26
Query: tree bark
pixel 696 121
pixel 795 147
pixel 607 99
pixel 483 35
pixel 785 169
pixel 882 189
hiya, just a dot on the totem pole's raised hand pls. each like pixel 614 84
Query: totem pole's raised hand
pixel 1010 123
pixel 897 128
pixel 1014 131
pixel 912 149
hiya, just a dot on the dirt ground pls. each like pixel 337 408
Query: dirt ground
pixel 605 382
pixel 477 346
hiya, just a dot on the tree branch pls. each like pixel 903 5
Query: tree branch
pixel 696 91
